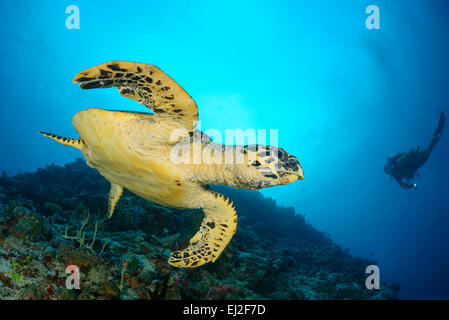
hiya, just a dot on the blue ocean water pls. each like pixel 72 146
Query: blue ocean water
pixel 342 97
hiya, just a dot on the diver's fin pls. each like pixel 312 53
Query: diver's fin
pixel 441 123
pixel 114 196
pixel 76 143
pixel 217 229
pixel 438 132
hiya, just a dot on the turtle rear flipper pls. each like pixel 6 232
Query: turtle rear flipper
pixel 115 193
pixel 75 143
pixel 217 229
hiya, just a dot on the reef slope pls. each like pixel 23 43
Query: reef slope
pixel 54 217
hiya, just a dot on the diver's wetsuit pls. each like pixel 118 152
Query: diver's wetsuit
pixel 404 165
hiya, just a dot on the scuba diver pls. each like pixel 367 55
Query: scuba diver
pixel 404 165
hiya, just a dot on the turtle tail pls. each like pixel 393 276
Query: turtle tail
pixel 75 143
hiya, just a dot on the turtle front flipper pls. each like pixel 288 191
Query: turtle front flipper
pixel 217 229
pixel 148 85
pixel 114 196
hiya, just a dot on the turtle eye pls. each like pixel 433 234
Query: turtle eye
pixel 282 155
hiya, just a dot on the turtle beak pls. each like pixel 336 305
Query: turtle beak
pixel 300 173
pixel 291 176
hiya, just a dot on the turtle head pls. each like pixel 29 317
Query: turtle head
pixel 273 166
pixel 286 167
pixel 289 168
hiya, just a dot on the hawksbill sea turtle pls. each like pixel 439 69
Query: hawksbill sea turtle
pixel 134 150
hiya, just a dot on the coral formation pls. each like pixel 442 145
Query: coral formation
pixel 54 217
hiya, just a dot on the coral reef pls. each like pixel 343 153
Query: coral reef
pixel 55 217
